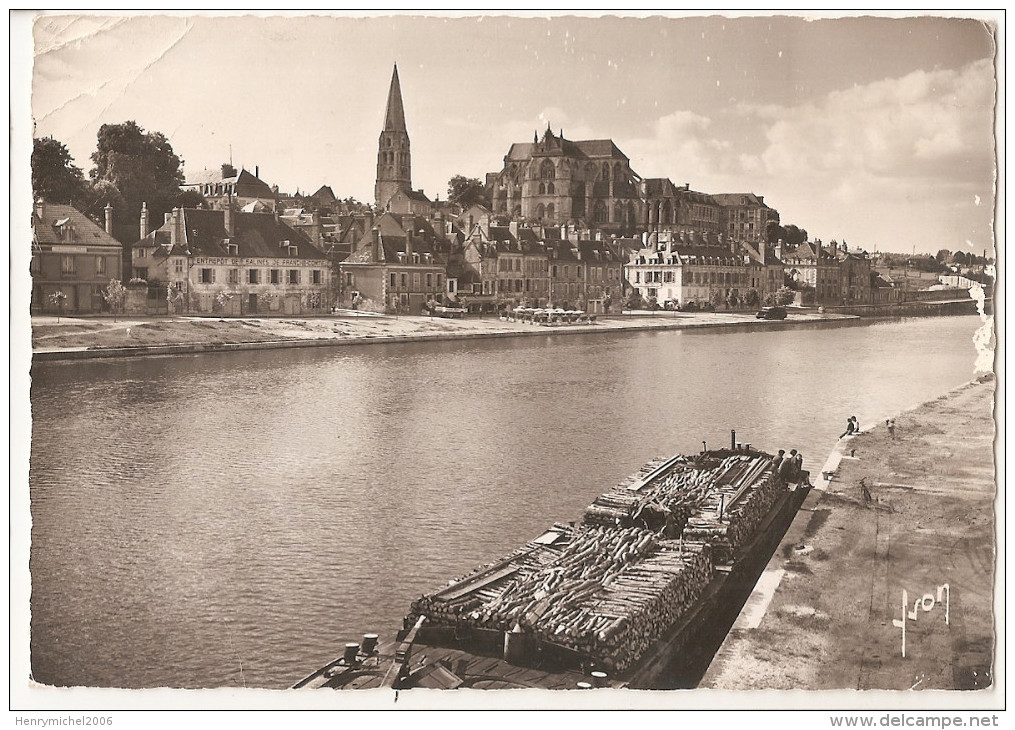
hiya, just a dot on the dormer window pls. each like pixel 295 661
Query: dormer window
pixel 232 249
pixel 415 258
pixel 293 252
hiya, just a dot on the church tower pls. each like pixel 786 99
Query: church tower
pixel 394 167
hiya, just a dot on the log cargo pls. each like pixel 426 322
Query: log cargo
pixel 608 591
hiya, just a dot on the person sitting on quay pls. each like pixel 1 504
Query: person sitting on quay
pixel 787 468
pixel 850 427
pixel 890 423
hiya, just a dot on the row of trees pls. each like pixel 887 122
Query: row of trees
pixel 130 166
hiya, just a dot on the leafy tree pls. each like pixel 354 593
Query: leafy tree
pixel 961 258
pixel 795 235
pixel 191 199
pixel 752 298
pixel 943 255
pixel 141 166
pixel 57 298
pixel 115 294
pixel 635 301
pixel 785 296
pixel 55 177
pixel 732 300
pixel 466 191
pixel 773 232
pixel 652 303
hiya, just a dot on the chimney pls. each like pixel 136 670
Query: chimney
pixel 40 209
pixel 761 250
pixel 169 217
pixel 228 171
pixel 408 242
pixel 228 219
pixel 513 227
pixel 376 230
pixel 144 220
pixel 174 229
pixel 109 218
pixel 257 171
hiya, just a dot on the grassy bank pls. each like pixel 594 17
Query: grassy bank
pixel 911 512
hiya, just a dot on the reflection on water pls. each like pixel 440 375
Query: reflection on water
pixel 233 519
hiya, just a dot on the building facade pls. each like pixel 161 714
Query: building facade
pixel 72 255
pixel 675 272
pixel 554 180
pixel 744 216
pixel 229 187
pixel 233 263
pixel 397 266
pixel 815 269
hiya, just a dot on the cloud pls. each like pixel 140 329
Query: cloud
pixel 927 123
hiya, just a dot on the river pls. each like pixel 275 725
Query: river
pixel 225 520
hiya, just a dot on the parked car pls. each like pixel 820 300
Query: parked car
pixel 772 313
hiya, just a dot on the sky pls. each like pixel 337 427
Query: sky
pixel 877 131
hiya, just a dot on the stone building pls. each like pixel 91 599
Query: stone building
pixel 398 265
pixel 234 188
pixel 679 269
pixel 73 255
pixel 679 209
pixel 814 267
pixel 744 216
pixel 554 180
pixel 233 263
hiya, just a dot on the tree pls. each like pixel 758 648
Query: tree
pixel 55 177
pixel 467 191
pixel 141 166
pixel 752 298
pixel 784 296
pixel 57 299
pixel 774 232
pixel 114 294
pixel 795 235
pixel 943 255
pixel 960 257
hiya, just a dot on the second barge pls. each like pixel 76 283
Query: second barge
pixel 633 596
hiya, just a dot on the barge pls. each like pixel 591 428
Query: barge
pixel 637 595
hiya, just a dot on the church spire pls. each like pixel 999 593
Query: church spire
pixel 394 117
pixel 394 159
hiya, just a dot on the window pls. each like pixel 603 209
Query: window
pixel 438 281
pixel 68 265
pixel 315 276
pixel 565 272
pixel 415 280
pixel 349 279
pixel 178 266
pixel 547 170
pixel 294 276
pixel 234 276
pixel 253 276
pixel 207 276
pixel 100 265
pixel 578 273
pixel 232 249
pixel 553 271
pixel 405 281
pixel 393 278
pixel 275 276
pixel 429 281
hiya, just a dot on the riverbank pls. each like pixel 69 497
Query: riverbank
pixel 85 338
pixel 912 512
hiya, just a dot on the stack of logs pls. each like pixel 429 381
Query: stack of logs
pixel 609 590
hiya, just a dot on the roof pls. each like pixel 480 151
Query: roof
pixel 551 143
pixel 256 235
pixel 392 228
pixel 394 114
pixel 324 194
pixel 803 253
pixel 732 199
pixel 82 229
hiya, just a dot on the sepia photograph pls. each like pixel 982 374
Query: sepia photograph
pixel 504 360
